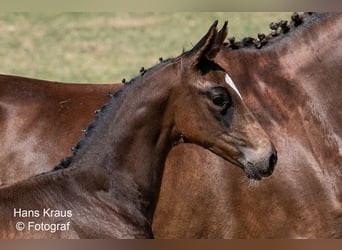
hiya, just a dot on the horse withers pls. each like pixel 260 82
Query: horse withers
pixel 109 187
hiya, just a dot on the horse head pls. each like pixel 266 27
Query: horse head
pixel 211 112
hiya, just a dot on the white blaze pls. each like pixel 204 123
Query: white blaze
pixel 231 84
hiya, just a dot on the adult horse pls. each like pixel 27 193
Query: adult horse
pixel 41 120
pixel 292 84
pixel 110 187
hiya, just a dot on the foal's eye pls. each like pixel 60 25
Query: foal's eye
pixel 219 101
pixel 219 97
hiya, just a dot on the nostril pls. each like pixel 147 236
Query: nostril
pixel 273 161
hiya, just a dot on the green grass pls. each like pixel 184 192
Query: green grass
pixel 106 47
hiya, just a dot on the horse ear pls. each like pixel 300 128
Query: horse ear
pixel 209 45
pixel 218 43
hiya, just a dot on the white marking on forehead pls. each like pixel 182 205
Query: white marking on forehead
pixel 231 84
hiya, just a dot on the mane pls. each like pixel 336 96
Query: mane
pixel 278 30
pixel 114 99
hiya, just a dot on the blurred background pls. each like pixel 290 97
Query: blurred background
pixel 107 47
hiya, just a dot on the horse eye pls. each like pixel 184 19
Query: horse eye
pixel 219 101
pixel 219 96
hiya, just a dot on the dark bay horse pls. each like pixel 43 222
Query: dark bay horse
pixel 292 84
pixel 110 186
pixel 41 120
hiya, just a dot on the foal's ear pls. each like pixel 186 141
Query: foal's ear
pixel 208 47
pixel 218 43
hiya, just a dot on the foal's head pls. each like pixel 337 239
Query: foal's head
pixel 208 112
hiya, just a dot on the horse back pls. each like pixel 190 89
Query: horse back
pixel 36 118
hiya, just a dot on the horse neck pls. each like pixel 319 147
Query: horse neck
pixel 292 85
pixel 130 143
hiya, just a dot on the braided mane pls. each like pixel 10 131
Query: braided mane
pixel 278 29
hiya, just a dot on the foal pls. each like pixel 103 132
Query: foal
pixel 110 187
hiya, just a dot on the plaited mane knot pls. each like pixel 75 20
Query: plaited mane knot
pixel 232 44
pixel 142 71
pixel 296 19
pixel 247 41
pixel 260 41
pixel 274 28
pixel 277 28
pixel 284 27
